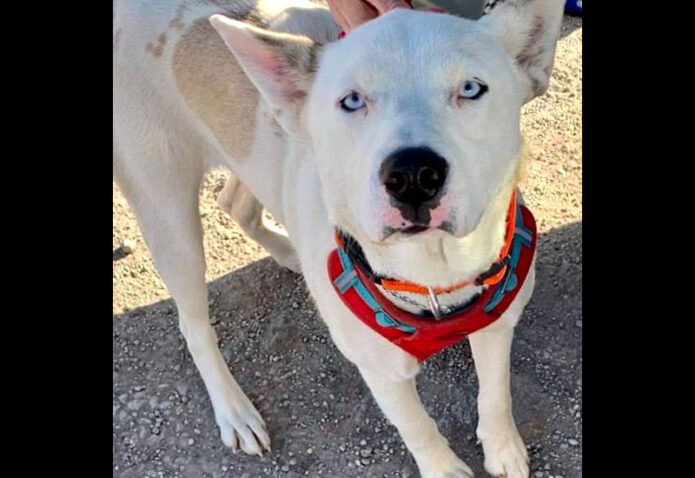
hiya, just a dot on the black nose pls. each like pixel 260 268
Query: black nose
pixel 413 176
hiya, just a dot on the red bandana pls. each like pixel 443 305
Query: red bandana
pixel 425 336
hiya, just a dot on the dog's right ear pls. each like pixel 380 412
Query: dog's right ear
pixel 281 66
pixel 528 30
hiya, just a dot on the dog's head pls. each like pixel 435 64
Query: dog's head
pixel 412 119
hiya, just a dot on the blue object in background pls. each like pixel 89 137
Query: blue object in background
pixel 573 7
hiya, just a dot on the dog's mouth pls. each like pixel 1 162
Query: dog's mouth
pixel 413 230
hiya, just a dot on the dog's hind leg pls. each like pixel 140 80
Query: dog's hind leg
pixel 247 211
pixel 402 406
pixel 163 192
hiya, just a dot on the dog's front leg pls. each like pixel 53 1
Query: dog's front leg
pixel 505 453
pixel 401 404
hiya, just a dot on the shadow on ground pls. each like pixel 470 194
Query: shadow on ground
pixel 322 419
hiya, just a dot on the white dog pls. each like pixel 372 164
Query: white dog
pixel 390 156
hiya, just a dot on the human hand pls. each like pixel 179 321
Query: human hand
pixel 352 13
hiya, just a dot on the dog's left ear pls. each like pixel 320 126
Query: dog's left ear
pixel 281 66
pixel 528 30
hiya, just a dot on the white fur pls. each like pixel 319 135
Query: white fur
pixel 183 105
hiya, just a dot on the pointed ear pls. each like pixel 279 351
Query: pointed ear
pixel 281 66
pixel 528 30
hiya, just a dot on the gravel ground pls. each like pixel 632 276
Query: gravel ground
pixel 322 419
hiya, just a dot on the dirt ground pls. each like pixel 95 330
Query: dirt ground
pixel 322 419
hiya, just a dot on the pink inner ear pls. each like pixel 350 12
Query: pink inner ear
pixel 268 67
pixel 268 62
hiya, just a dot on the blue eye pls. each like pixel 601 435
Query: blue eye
pixel 352 102
pixel 472 89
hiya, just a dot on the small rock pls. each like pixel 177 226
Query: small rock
pixel 407 473
pixel 128 246
pixel 573 442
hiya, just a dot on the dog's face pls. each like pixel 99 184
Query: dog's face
pixel 413 118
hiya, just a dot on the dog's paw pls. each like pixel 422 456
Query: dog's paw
pixel 241 426
pixel 459 473
pixel 448 466
pixel 506 455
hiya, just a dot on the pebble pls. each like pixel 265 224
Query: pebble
pixel 407 473
pixel 573 442
pixel 128 246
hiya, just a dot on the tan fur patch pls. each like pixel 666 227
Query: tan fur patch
pixel 159 49
pixel 216 88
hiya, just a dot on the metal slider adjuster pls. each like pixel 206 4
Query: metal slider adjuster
pixel 434 303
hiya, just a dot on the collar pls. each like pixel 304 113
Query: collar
pixel 424 335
